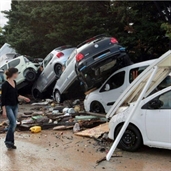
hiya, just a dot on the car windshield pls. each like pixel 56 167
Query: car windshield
pixel 47 59
pixel 1 77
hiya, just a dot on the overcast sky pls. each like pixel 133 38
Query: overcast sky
pixel 4 5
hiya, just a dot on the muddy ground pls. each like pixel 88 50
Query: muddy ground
pixel 51 151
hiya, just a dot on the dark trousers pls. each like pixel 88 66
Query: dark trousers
pixel 12 117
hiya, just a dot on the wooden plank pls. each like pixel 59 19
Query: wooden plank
pixel 95 132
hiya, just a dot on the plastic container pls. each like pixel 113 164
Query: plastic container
pixel 35 129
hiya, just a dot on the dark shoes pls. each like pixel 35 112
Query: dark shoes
pixel 11 146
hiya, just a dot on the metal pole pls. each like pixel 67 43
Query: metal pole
pixel 119 136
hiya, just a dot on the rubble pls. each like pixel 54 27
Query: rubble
pixel 95 132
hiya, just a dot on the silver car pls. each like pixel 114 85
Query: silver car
pixel 67 78
pixel 51 69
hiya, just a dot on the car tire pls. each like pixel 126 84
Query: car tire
pixel 131 140
pixel 58 70
pixel 37 94
pixel 97 107
pixel 57 96
pixel 30 75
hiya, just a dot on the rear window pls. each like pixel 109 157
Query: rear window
pixel 14 63
pixel 133 74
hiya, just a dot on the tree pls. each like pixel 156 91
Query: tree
pixel 140 30
pixel 35 28
pixel 2 38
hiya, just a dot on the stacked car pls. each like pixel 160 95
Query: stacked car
pixel 92 61
pixel 27 70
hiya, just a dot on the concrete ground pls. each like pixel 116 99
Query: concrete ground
pixel 53 151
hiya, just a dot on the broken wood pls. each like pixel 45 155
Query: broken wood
pixel 63 127
pixel 95 132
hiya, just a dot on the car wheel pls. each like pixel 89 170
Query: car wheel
pixel 96 107
pixel 30 75
pixel 131 140
pixel 58 70
pixel 36 94
pixel 57 96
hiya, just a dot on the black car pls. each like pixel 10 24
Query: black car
pixel 98 59
pixel 1 82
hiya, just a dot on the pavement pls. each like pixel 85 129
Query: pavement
pixel 63 151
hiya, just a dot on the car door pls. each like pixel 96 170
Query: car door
pixel 47 74
pixel 17 63
pixel 158 119
pixel 67 77
pixel 113 88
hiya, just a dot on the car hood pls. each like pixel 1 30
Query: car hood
pixel 133 91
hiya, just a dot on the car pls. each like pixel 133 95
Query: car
pixel 98 59
pixel 100 100
pixel 89 48
pixel 145 110
pixel 26 69
pixel 52 68
pixel 2 79
pixel 67 78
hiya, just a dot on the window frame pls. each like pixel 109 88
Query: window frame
pixel 107 82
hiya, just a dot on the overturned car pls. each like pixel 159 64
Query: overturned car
pixel 51 70
pixel 106 56
pixel 92 61
pixel 27 71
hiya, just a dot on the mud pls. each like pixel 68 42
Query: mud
pixel 52 151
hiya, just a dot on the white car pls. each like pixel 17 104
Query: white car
pixel 100 100
pixel 26 69
pixel 150 124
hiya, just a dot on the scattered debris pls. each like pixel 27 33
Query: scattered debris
pixel 76 128
pixel 40 103
pixel 35 129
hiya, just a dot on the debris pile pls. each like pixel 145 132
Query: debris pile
pixel 69 115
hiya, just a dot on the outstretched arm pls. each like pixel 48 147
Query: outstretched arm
pixel 24 98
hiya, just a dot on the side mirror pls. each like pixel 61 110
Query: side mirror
pixel 156 104
pixel 107 87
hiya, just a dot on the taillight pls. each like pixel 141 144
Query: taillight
pixel 60 54
pixel 79 57
pixel 113 40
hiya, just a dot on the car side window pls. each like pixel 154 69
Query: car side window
pixel 2 77
pixel 47 59
pixel 133 74
pixel 114 82
pixel 161 102
pixel 4 67
pixel 14 63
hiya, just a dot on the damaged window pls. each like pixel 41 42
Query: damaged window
pixel 115 81
pixel 135 72
pixel 4 68
pixel 14 63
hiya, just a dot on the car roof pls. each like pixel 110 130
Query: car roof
pixel 61 48
pixel 133 91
